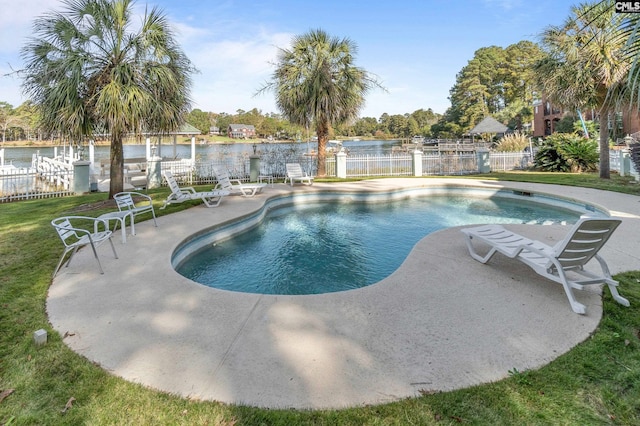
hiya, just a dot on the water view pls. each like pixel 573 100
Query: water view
pixel 21 156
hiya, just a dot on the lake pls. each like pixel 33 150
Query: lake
pixel 21 156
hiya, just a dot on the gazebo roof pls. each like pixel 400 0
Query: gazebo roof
pixel 488 125
pixel 187 129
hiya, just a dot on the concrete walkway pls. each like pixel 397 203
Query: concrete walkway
pixel 442 321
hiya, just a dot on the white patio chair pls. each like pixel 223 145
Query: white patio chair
pixel 558 263
pixel 135 203
pixel 74 233
pixel 182 194
pixel 296 174
pixel 234 185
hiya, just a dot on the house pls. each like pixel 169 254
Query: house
pixel 546 117
pixel 241 131
pixel 214 130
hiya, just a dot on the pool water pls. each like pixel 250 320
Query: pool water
pixel 329 247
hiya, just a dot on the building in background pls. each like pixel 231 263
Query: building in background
pixel 546 117
pixel 241 131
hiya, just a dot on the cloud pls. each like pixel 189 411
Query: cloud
pixel 16 21
pixel 233 68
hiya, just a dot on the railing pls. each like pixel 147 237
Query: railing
pixel 203 172
pixel 378 165
pixel 57 173
pixel 28 183
pixel 51 178
pixel 452 165
pixel 504 161
pixel 615 164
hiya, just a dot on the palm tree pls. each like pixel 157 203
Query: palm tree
pixel 316 83
pixel 586 66
pixel 90 69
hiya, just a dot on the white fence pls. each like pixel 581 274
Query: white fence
pixel 378 165
pixel 29 183
pixel 51 178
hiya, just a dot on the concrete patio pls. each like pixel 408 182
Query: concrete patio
pixel 442 321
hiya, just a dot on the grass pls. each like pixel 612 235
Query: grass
pixel 597 382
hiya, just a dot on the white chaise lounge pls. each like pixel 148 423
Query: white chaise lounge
pixel 296 174
pixel 187 193
pixel 225 183
pixel 563 263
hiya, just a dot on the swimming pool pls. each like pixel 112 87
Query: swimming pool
pixel 323 246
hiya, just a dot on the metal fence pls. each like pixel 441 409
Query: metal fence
pixel 449 164
pixel 52 178
pixel 378 165
pixel 504 161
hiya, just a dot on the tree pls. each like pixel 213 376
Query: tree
pixel 89 68
pixel 29 118
pixel 478 89
pixel 495 79
pixel 425 120
pixel 365 126
pixel 200 120
pixel 585 66
pixel 8 118
pixel 316 83
pixel 518 73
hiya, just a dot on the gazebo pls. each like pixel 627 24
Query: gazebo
pixel 488 125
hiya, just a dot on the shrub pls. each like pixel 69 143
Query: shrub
pixel 513 142
pixel 566 152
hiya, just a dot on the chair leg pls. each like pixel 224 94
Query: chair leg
pixel 55 271
pixel 75 249
pixel 211 201
pixel 576 306
pixel 616 296
pixel 475 255
pixel 611 283
pixel 113 248
pixel 95 254
pixel 133 225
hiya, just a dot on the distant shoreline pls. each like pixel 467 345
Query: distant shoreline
pixel 27 144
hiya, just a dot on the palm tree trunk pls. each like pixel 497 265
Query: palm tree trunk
pixel 322 131
pixel 116 172
pixel 605 172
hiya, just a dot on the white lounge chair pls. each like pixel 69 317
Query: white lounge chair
pixel 75 232
pixel 135 203
pixel 234 185
pixel 182 194
pixel 559 263
pixel 296 174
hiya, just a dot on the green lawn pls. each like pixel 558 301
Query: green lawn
pixel 598 382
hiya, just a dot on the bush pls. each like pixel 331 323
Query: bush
pixel 513 142
pixel 565 152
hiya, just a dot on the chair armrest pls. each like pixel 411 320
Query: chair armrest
pixel 96 225
pixel 141 195
pixel 188 189
pixel 73 220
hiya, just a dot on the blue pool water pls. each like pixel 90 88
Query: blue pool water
pixel 329 247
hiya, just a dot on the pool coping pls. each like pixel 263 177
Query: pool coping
pixel 440 322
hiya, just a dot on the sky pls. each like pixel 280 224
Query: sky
pixel 414 48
